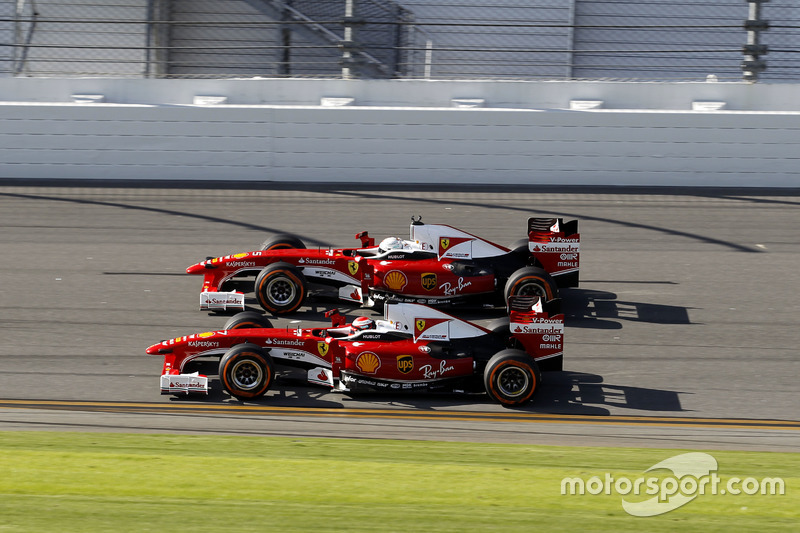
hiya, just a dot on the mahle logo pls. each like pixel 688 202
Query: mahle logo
pixel 691 474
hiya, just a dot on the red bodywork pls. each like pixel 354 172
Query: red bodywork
pixel 438 265
pixel 413 345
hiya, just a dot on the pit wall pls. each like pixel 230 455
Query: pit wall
pixel 481 132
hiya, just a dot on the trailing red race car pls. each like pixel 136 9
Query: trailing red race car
pixel 439 265
pixel 415 348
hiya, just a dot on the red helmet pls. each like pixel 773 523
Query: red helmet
pixel 362 323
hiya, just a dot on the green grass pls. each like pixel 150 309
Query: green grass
pixel 132 482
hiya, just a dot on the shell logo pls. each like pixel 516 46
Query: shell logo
pixel 240 255
pixel 368 362
pixel 205 335
pixel 352 266
pixel 395 280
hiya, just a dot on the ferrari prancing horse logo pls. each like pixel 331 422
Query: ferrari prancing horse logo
pixel 444 243
pixel 420 325
pixel 322 348
pixel 352 266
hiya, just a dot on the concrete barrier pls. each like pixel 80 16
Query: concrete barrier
pixel 704 134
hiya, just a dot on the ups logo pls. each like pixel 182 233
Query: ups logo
pixel 352 266
pixel 444 243
pixel 429 281
pixel 405 363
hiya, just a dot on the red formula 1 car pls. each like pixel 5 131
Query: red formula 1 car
pixel 438 265
pixel 415 348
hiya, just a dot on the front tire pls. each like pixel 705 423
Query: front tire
pixel 501 330
pixel 531 281
pixel 520 247
pixel 511 377
pixel 283 241
pixel 247 320
pixel 280 288
pixel 246 371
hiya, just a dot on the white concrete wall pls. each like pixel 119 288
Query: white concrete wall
pixel 403 132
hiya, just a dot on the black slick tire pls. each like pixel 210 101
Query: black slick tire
pixel 531 281
pixel 283 241
pixel 247 320
pixel 246 371
pixel 280 288
pixel 511 377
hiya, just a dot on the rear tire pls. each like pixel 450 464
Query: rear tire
pixel 246 371
pixel 520 247
pixel 531 281
pixel 511 377
pixel 247 320
pixel 501 330
pixel 280 288
pixel 283 241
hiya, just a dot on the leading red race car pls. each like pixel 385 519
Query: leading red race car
pixel 414 348
pixel 439 265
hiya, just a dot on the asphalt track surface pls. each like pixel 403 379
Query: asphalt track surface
pixel 683 334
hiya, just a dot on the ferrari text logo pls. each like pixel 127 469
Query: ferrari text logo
pixel 405 363
pixel 322 348
pixel 352 266
pixel 429 281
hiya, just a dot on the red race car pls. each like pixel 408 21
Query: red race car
pixel 415 348
pixel 439 265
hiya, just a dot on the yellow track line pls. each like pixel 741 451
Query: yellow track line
pixel 408 414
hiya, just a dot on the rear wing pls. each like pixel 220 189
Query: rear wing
pixel 539 326
pixel 556 245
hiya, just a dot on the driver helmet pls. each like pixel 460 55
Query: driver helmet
pixel 363 323
pixel 391 243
